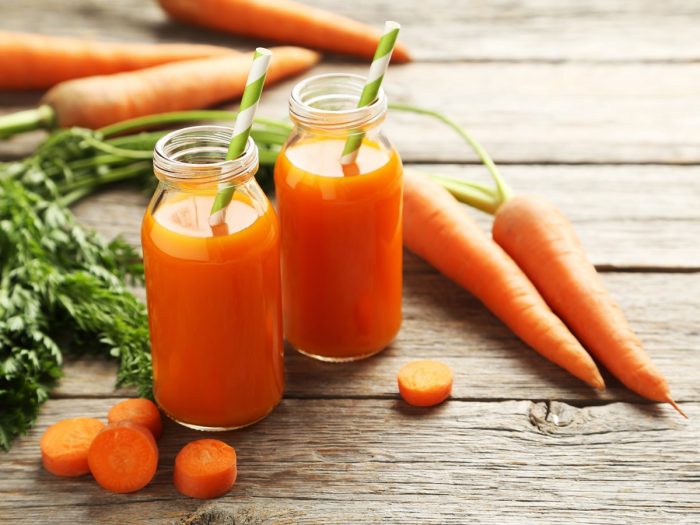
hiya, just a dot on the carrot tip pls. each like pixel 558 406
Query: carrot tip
pixel 598 383
pixel 675 405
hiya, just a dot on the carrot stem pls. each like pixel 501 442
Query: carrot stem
pixel 483 188
pixel 114 150
pixel 162 119
pixel 504 191
pixel 469 192
pixel 142 140
pixel 75 191
pixel 42 117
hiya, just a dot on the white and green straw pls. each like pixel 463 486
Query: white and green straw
pixel 241 129
pixel 380 63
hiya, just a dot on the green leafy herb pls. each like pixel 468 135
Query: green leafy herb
pixel 61 288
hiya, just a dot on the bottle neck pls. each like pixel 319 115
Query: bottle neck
pixel 194 159
pixel 327 105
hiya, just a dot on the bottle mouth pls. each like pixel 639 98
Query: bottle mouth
pixel 329 102
pixel 197 154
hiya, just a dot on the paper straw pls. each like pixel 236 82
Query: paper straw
pixel 380 63
pixel 241 129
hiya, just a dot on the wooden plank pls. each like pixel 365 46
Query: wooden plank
pixel 379 460
pixel 522 113
pixel 444 30
pixel 628 217
pixel 442 321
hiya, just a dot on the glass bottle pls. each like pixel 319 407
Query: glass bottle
pixel 214 297
pixel 341 225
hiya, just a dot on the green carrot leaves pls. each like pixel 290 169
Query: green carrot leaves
pixel 62 289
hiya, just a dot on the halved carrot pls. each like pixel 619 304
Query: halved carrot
pixel 64 445
pixel 284 21
pixel 438 228
pixel 205 469
pixel 138 410
pixel 424 383
pixel 33 61
pixel 123 457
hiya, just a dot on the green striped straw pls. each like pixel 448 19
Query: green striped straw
pixel 241 129
pixel 380 63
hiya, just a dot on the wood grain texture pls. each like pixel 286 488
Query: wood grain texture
pixel 541 83
pixel 628 217
pixel 522 113
pixel 439 30
pixel 442 321
pixel 349 461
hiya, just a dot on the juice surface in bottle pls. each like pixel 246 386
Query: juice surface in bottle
pixel 341 226
pixel 214 300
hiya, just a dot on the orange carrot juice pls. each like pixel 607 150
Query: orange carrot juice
pixel 214 303
pixel 341 247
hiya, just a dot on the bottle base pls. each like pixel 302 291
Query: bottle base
pixel 341 359
pixel 204 428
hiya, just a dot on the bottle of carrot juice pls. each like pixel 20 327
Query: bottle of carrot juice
pixel 214 297
pixel 341 225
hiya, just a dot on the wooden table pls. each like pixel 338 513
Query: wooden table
pixel 592 104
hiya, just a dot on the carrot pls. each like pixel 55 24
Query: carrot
pixel 64 445
pixel 123 457
pixel 94 102
pixel 32 61
pixel 541 240
pixel 538 236
pixel 139 410
pixel 205 469
pixel 284 21
pixel 425 383
pixel 438 229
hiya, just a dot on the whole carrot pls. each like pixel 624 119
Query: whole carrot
pixel 283 21
pixel 538 236
pixel 438 229
pixel 543 243
pixel 94 102
pixel 32 61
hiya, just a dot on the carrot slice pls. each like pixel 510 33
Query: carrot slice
pixel 64 445
pixel 139 410
pixel 123 457
pixel 425 383
pixel 205 469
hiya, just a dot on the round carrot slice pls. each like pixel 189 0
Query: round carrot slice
pixel 123 457
pixel 139 410
pixel 64 445
pixel 205 469
pixel 425 383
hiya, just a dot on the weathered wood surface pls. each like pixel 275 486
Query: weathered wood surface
pixel 543 84
pixel 342 461
pixel 442 321
pixel 628 217
pixel 524 113
pixel 438 30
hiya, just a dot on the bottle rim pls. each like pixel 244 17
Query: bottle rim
pixel 197 154
pixel 329 102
